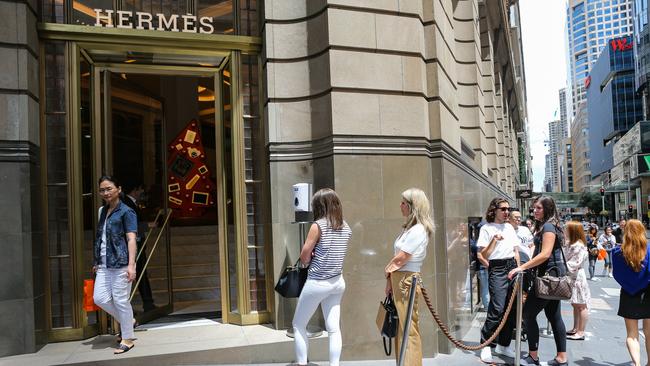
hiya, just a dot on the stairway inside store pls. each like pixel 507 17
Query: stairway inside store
pixel 195 271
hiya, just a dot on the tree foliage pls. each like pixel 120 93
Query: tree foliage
pixel 592 201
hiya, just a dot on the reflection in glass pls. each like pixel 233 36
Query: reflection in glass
pixel 84 14
pixel 254 160
pixel 58 235
pixel 249 18
pixel 231 240
pixel 87 175
pixel 52 11
pixel 221 13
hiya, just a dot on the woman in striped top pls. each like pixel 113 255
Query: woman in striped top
pixel 324 251
pixel 410 250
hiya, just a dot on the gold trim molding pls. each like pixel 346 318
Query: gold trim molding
pixel 196 41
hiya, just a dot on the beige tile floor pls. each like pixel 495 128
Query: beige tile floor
pixel 201 341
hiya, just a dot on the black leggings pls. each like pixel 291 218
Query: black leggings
pixel 552 309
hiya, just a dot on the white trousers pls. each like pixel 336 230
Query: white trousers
pixel 112 291
pixel 328 293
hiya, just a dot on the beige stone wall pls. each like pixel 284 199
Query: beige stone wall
pixel 371 98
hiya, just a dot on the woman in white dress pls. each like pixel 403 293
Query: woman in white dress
pixel 576 257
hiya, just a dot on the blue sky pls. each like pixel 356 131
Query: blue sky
pixel 542 23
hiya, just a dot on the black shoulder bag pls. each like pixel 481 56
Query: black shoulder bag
pixel 387 322
pixel 292 280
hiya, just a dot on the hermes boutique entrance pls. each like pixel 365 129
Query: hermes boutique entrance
pixel 180 123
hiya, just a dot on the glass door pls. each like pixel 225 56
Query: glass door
pixel 129 120
pixel 158 138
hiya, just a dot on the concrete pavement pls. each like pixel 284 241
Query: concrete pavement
pixel 204 341
pixel 604 344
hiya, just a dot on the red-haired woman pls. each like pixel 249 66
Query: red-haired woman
pixel 576 257
pixel 631 262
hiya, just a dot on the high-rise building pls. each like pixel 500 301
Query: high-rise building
pixel 580 150
pixel 642 52
pixel 590 23
pixel 555 149
pixel 562 96
pixel 548 186
pixel 613 106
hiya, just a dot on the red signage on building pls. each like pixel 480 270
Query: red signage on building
pixel 587 81
pixel 621 44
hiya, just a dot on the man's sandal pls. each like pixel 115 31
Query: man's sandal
pixel 123 348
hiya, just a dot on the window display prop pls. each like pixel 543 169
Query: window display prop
pixel 189 187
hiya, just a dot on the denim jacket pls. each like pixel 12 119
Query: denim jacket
pixel 121 221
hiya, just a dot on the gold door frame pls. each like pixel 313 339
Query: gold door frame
pixel 80 38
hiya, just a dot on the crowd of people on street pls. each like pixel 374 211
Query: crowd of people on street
pixel 508 244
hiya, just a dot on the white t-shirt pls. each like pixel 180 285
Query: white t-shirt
pixel 525 239
pixel 414 242
pixel 503 249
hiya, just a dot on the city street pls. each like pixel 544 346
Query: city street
pixel 604 345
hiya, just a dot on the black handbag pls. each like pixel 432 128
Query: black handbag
pixel 292 280
pixel 387 322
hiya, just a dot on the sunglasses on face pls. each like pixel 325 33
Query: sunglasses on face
pixel 504 209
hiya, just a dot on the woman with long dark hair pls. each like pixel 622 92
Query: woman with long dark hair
pixel 324 251
pixel 631 262
pixel 114 252
pixel 592 247
pixel 549 242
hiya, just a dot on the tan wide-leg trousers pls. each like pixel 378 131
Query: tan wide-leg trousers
pixel 401 283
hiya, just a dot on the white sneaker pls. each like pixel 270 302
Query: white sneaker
pixel 610 275
pixel 506 351
pixel 486 354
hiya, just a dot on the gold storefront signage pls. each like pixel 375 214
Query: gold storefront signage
pixel 127 19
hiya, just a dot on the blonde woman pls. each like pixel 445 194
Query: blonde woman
pixel 410 249
pixel 576 257
pixel 631 263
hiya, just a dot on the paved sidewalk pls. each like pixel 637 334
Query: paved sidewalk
pixel 604 346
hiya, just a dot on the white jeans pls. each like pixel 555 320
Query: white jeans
pixel 112 291
pixel 328 293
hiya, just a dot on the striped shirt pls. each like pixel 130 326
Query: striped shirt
pixel 329 252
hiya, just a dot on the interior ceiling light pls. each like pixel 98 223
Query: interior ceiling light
pixel 123 76
pixel 130 61
pixel 226 82
pixel 206 65
pixel 200 89
pixel 226 73
pixel 205 95
pixel 85 75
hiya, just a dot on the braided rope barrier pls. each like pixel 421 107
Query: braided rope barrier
pixel 458 343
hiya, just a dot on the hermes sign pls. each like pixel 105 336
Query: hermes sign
pixel 140 20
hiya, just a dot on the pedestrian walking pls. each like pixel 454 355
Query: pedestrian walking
pixel 498 243
pixel 324 251
pixel 631 264
pixel 549 241
pixel 592 248
pixel 576 256
pixel 607 241
pixel 114 255
pixel 410 249
pixel 620 230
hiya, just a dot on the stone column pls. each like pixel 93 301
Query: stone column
pixel 22 296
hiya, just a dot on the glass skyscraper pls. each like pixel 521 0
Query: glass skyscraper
pixel 590 24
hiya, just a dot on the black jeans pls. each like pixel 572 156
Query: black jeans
pixel 551 308
pixel 500 292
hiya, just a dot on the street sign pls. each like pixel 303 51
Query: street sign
pixel 524 193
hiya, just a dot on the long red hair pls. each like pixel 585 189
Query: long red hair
pixel 575 232
pixel 635 244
